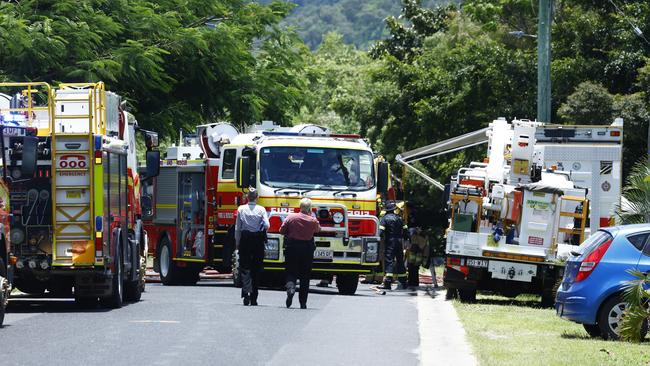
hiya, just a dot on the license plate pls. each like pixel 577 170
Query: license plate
pixel 512 271
pixel 481 263
pixel 13 131
pixel 323 254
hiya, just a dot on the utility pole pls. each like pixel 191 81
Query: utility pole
pixel 545 15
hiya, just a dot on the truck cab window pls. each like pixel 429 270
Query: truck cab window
pixel 228 169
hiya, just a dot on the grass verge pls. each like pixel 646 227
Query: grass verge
pixel 517 332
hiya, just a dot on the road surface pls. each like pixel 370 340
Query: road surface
pixel 208 325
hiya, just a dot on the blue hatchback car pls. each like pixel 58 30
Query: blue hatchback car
pixel 596 274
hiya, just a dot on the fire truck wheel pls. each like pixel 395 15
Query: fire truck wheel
pixel 169 273
pixel 451 294
pixel 133 289
pixel 3 278
pixel 114 300
pixel 347 283
pixel 467 295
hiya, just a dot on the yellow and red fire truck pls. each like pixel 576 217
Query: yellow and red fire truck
pixel 76 218
pixel 193 202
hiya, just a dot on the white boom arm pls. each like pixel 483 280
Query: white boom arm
pixel 440 148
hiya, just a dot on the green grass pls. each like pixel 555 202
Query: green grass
pixel 517 332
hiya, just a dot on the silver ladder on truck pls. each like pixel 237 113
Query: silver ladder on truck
pixel 79 115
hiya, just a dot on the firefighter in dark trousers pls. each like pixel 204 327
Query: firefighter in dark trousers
pixel 250 235
pixel 393 228
pixel 298 230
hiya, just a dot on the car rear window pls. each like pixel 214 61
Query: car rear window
pixel 638 240
pixel 594 241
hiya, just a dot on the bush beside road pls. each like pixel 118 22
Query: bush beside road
pixel 506 331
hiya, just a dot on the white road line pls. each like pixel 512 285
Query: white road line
pixel 442 337
pixel 155 321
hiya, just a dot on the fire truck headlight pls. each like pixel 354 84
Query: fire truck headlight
pixel 337 217
pixel 272 249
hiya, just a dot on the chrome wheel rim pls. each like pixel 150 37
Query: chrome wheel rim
pixel 614 317
pixel 164 261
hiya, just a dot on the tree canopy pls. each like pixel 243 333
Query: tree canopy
pixel 178 62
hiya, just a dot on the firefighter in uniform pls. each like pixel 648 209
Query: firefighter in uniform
pixel 393 229
pixel 417 255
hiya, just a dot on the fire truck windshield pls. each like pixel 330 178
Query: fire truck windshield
pixel 316 168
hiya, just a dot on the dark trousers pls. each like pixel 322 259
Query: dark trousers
pixel 299 256
pixel 394 260
pixel 251 258
pixel 414 275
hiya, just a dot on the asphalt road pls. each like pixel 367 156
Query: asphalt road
pixel 208 325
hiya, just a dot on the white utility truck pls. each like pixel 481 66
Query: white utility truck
pixel 515 217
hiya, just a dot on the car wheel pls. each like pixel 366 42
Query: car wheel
pixel 609 318
pixel 592 329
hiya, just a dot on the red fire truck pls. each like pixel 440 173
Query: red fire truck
pixel 189 209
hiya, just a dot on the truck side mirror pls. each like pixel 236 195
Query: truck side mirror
pixel 382 177
pixel 151 139
pixel 30 145
pixel 243 172
pixel 153 163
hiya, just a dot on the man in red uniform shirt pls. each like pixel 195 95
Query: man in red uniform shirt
pixel 298 230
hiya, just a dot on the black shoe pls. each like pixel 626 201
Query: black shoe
pixel 253 302
pixel 247 300
pixel 385 286
pixel 289 297
pixel 303 306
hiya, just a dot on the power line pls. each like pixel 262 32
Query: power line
pixel 635 28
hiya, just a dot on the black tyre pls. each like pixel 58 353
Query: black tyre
pixel 3 300
pixel 592 329
pixel 115 299
pixel 169 274
pixel 548 295
pixel 347 283
pixel 133 289
pixel 609 318
pixel 467 295
pixel 451 294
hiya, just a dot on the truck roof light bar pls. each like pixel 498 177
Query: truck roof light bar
pixel 335 135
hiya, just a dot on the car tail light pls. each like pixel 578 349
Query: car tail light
pixel 589 264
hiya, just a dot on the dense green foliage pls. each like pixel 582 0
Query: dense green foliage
pixel 178 62
pixel 360 22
